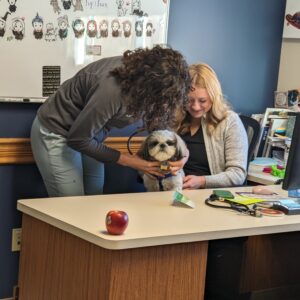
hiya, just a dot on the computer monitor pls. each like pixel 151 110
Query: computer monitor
pixel 291 181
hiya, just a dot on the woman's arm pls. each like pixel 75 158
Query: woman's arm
pixel 235 156
pixel 135 162
pixel 148 167
pixel 176 166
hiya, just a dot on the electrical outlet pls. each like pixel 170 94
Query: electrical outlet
pixel 16 239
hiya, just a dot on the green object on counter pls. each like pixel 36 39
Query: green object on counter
pixel 277 172
pixel 180 199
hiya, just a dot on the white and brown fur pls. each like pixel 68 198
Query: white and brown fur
pixel 162 146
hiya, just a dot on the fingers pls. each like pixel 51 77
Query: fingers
pixel 190 182
pixel 173 170
pixel 152 164
pixel 176 164
pixel 150 167
pixel 154 168
pixel 186 182
pixel 173 163
pixel 186 187
pixel 174 173
pixel 187 178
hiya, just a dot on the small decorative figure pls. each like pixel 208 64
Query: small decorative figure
pixel 78 28
pixel 63 25
pixel 38 24
pixel 12 5
pixel 18 28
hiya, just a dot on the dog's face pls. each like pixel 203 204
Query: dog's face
pixel 162 145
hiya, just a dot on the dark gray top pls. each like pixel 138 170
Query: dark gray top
pixel 86 106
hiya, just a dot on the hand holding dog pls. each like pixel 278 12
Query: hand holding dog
pixel 176 166
pixel 135 162
pixel 191 182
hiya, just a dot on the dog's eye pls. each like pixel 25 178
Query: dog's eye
pixel 170 143
pixel 153 144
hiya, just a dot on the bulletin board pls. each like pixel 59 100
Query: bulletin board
pixel 45 42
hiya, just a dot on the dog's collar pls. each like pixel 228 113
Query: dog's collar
pixel 166 176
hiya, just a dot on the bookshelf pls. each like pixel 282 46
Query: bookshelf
pixel 274 120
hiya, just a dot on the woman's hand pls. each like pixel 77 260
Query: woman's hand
pixel 176 166
pixel 135 162
pixel 192 182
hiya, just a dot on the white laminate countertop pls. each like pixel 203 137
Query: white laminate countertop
pixel 152 218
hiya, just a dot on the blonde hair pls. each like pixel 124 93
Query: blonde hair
pixel 203 76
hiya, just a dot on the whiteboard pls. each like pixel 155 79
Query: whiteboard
pixel 59 37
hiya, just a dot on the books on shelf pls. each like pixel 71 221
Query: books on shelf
pixel 276 123
pixel 278 142
pixel 273 119
pixel 272 141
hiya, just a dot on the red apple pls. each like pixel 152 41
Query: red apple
pixel 116 222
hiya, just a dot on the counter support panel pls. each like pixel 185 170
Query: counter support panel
pixel 55 264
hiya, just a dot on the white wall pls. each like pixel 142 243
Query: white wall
pixel 289 69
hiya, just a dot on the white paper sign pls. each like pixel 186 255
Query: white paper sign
pixel 291 27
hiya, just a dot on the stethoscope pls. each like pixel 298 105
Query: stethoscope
pixel 138 130
pixel 239 207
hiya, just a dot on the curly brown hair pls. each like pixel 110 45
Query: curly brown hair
pixel 154 83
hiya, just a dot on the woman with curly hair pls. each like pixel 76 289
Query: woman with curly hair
pixel 214 134
pixel 68 132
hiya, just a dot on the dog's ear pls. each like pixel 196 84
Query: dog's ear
pixel 144 150
pixel 181 148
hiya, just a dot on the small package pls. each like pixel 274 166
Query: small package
pixel 181 200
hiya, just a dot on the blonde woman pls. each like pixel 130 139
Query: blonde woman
pixel 214 134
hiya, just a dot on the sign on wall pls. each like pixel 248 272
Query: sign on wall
pixel 292 19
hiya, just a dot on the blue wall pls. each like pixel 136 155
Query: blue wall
pixel 241 40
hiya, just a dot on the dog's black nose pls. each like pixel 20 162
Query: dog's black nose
pixel 162 146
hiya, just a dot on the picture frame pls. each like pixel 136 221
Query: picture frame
pixel 291 27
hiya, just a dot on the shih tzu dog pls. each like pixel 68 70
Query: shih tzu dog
pixel 163 146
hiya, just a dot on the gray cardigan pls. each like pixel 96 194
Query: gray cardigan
pixel 227 151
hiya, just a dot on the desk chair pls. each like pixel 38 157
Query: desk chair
pixel 252 127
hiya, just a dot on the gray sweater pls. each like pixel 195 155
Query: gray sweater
pixel 85 108
pixel 227 151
